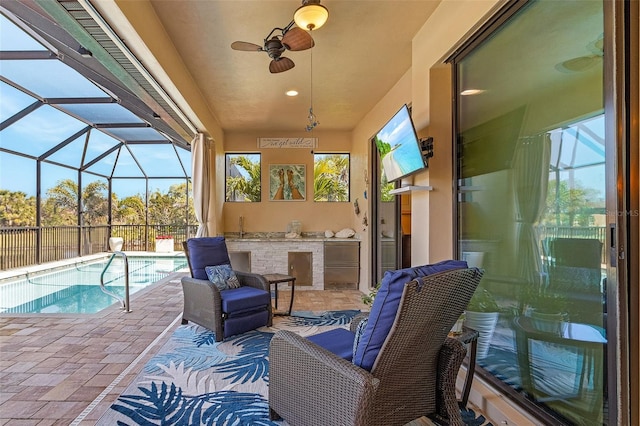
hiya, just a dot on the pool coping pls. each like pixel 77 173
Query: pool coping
pixel 22 272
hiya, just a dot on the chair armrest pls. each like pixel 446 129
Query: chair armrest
pixel 202 303
pixel 194 284
pixel 295 363
pixel 252 280
pixel 357 320
pixel 450 359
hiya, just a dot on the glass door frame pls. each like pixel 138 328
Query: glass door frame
pixel 375 228
pixel 621 29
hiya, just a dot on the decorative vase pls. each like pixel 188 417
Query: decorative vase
pixel 485 324
pixel 115 243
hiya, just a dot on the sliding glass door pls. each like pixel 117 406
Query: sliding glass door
pixel 384 221
pixel 531 202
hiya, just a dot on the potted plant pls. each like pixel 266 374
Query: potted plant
pixel 547 309
pixel 368 299
pixel 482 316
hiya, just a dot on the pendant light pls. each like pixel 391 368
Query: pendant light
pixel 313 121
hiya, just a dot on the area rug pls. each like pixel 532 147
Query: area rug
pixel 194 380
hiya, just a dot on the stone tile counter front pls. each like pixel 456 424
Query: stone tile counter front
pixel 272 253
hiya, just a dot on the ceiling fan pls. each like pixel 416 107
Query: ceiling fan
pixel 583 63
pixel 276 43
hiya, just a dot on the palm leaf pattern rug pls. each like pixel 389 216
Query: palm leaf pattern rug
pixel 194 380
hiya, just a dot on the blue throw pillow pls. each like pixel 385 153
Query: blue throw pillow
pixel 385 307
pixel 359 330
pixel 222 276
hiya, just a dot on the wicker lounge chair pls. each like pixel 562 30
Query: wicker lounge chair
pixel 225 312
pixel 413 374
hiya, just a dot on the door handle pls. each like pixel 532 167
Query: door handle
pixel 613 252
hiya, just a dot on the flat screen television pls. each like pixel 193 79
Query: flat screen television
pixel 399 147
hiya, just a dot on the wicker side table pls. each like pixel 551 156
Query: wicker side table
pixel 275 279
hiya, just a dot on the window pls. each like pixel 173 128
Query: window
pixel 242 177
pixel 331 177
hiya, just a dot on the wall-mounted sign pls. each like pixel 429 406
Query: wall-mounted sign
pixel 287 142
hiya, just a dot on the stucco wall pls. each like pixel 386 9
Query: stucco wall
pixel 360 159
pixel 273 216
pixel 439 35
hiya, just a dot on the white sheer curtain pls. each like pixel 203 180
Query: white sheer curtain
pixel 201 176
pixel 531 178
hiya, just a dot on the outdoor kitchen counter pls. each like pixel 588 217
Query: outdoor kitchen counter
pixel 278 237
pixel 303 257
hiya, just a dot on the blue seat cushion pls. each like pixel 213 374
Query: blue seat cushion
pixel 385 307
pixel 243 299
pixel 206 251
pixel 339 341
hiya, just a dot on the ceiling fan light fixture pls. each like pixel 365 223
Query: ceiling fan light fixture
pixel 311 15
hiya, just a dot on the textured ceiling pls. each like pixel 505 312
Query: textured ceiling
pixel 360 53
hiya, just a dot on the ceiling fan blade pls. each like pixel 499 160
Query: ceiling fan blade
pixel 280 65
pixel 297 39
pixel 246 46
pixel 579 64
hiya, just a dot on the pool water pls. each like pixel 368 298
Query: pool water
pixel 76 289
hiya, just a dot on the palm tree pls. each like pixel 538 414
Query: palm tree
pixel 331 177
pixel 61 204
pixel 386 188
pixel 94 203
pixel 244 183
pixel 60 207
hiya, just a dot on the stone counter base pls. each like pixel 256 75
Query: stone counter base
pixel 272 256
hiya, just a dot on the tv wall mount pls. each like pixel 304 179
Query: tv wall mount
pixel 426 147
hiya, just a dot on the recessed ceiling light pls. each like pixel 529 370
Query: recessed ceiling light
pixel 470 92
pixel 292 93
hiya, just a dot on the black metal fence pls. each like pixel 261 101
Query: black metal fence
pixel 143 238
pixel 24 246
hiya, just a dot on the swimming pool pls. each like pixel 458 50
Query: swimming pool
pixel 76 288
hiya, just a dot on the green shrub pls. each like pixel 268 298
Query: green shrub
pixel 483 301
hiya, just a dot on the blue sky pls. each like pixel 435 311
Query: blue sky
pixel 46 127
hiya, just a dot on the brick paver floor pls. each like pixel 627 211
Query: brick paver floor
pixel 63 369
